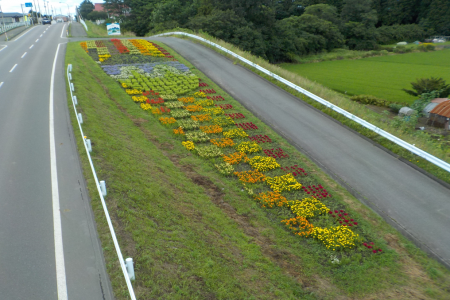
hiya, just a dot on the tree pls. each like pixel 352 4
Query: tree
pixel 439 16
pixel 428 85
pixel 325 12
pixel 85 8
pixel 359 28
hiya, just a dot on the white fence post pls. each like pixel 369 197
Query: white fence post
pixel 130 268
pixel 80 118
pixel 103 187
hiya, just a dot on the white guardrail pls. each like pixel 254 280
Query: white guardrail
pixel 12 26
pixel 128 270
pixel 84 24
pixel 434 160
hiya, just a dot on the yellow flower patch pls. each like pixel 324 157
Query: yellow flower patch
pixel 188 145
pixel 249 147
pixel 263 163
pixel 235 133
pixel 139 98
pixel 283 183
pixel 146 106
pixel 308 207
pixel 336 238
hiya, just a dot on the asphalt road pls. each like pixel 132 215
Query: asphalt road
pixel 415 204
pixel 28 265
pixel 77 30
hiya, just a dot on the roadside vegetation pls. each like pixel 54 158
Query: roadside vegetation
pixel 99 31
pixel 196 234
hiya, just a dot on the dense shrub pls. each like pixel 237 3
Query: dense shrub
pixel 369 99
pixel 395 107
pixel 396 33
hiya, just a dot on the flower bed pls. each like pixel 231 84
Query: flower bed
pixel 164 87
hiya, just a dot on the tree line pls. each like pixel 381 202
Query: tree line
pixel 281 30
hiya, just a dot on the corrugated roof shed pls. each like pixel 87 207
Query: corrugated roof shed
pixel 439 100
pixel 442 109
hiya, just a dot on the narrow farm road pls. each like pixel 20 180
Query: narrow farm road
pixel 48 239
pixel 412 202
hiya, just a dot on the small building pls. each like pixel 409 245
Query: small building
pixel 435 102
pixel 10 18
pixel 440 115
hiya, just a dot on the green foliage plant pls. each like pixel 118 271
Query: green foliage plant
pixel 427 85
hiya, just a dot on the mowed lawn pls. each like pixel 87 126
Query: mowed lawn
pixel 382 76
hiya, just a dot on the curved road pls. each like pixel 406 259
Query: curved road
pixel 415 204
pixel 41 257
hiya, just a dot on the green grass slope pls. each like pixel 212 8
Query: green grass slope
pixel 195 234
pixel 383 76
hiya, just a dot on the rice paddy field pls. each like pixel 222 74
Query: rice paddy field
pixel 382 76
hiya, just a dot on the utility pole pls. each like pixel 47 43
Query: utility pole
pixel 23 16
pixel 35 13
pixel 40 13
pixel 46 12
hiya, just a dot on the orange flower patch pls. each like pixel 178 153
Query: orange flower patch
pixel 187 99
pixel 193 108
pixel 299 226
pixel 271 199
pixel 211 129
pixel 202 118
pixel 223 142
pixel 179 130
pixel 165 121
pixel 252 176
pixel 235 158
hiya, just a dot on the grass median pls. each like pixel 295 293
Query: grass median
pixel 195 234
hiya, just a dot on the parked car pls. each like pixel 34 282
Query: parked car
pixel 59 20
pixel 46 21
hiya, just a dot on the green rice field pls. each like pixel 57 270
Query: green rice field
pixel 382 76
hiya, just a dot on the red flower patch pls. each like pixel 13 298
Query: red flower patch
pixel 275 153
pixel 247 126
pixel 156 101
pixel 260 139
pixel 201 84
pixel 236 116
pixel 296 171
pixel 164 110
pixel 319 192
pixel 216 98
pixel 225 106
pixel 209 91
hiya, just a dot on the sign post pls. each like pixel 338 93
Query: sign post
pixel 113 28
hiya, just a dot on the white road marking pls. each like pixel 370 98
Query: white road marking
pixel 10 71
pixel 31 46
pixel 37 41
pixel 40 35
pixel 24 34
pixel 4 47
pixel 1 83
pixel 24 55
pixel 62 31
pixel 57 230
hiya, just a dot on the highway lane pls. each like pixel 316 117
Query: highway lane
pixel 415 204
pixel 28 270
